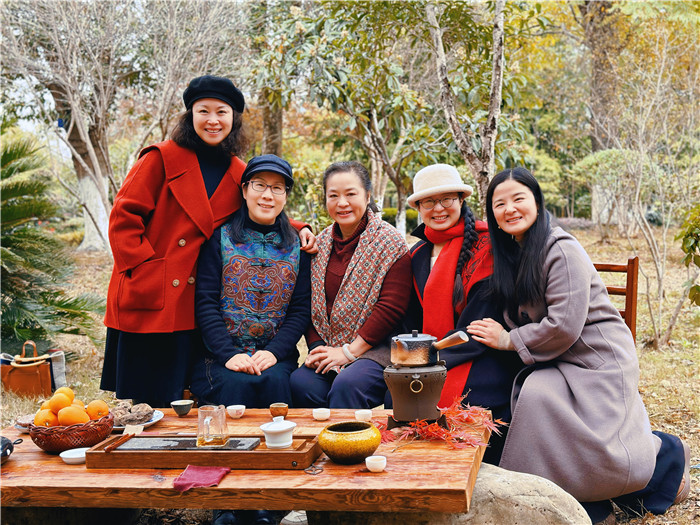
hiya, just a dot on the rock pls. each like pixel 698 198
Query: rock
pixel 500 497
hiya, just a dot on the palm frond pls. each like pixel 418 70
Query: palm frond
pixel 19 155
pixel 33 262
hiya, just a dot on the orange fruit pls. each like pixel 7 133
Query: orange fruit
pixel 45 405
pixel 72 415
pixel 67 391
pixel 97 409
pixel 78 402
pixel 45 418
pixel 59 401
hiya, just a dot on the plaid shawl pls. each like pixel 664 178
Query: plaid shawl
pixel 379 247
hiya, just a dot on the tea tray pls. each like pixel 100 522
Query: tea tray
pixel 176 452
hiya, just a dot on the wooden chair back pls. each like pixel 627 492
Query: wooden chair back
pixel 629 291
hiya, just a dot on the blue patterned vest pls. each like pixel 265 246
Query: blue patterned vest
pixel 257 281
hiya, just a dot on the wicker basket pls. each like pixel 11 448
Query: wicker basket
pixel 58 439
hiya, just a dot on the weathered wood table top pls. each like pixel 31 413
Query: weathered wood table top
pixel 420 476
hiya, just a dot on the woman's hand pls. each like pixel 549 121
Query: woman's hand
pixel 308 241
pixel 264 359
pixel 323 358
pixel 243 363
pixel 490 333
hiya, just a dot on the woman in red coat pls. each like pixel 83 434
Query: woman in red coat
pixel 173 198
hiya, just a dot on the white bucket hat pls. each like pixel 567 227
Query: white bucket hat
pixel 436 179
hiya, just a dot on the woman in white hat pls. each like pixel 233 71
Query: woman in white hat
pixel 452 264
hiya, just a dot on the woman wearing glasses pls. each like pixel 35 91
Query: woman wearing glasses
pixel 359 296
pixel 171 201
pixel 452 264
pixel 252 298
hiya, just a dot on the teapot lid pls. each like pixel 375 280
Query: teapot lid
pixel 415 337
pixel 278 424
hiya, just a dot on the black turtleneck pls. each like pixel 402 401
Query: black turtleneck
pixel 213 164
pixel 262 228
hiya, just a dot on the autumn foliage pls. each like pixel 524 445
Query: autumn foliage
pixel 460 426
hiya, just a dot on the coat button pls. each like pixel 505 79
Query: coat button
pixel 182 242
pixel 176 282
pixel 190 280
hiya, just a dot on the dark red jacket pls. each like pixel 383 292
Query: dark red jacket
pixel 161 217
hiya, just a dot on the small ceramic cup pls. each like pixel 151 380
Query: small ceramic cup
pixel 235 411
pixel 321 414
pixel 182 407
pixel 375 463
pixel 279 409
pixel 363 415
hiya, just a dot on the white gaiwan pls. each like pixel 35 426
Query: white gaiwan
pixel 278 432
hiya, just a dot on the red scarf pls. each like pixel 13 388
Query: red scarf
pixel 438 318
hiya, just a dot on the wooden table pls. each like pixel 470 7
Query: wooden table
pixel 420 476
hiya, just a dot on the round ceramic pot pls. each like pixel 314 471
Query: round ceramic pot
pixel 349 442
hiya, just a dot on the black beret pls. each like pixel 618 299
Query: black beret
pixel 219 88
pixel 270 163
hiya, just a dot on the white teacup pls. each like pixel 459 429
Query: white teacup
pixel 321 414
pixel 235 411
pixel 375 463
pixel 364 414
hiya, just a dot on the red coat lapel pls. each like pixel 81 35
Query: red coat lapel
pixel 184 180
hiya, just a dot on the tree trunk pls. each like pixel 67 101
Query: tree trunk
pixel 92 191
pixel 481 164
pixel 401 210
pixel 601 39
pixel 95 215
pixel 273 118
pixel 377 175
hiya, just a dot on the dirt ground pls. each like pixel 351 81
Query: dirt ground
pixel 669 384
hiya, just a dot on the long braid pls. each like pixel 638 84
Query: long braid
pixel 470 237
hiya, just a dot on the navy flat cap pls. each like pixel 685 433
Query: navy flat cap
pixel 270 163
pixel 219 88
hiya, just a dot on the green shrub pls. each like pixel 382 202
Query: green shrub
pixel 389 215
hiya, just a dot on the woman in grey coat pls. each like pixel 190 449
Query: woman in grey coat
pixel 578 418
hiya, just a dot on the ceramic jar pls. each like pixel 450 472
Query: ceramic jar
pixel 349 442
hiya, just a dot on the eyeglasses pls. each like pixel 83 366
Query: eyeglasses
pixel 429 204
pixel 260 187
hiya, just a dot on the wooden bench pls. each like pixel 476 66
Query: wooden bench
pixel 629 291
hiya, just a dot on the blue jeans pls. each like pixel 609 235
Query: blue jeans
pixel 212 383
pixel 360 385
